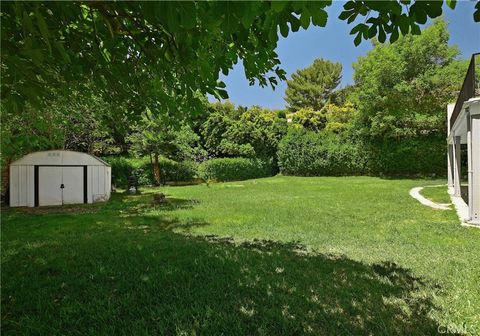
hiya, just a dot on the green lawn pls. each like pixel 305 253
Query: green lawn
pixel 436 194
pixel 282 255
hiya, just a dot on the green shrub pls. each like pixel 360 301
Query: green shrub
pixel 417 156
pixel 306 153
pixel 122 168
pixel 172 171
pixel 235 169
pixel 141 168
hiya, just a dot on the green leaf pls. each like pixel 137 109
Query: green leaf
pixel 476 14
pixel 187 14
pixel 403 24
pixel 248 19
pixel 352 18
pixel 278 6
pixel 394 36
pixel 452 3
pixel 59 47
pixel 349 5
pixel 220 94
pixel 420 15
pixel 35 55
pixel 372 31
pixel 358 39
pixel 27 23
pixel 319 17
pixel 284 29
pixel 345 15
pixel 415 29
pixel 294 23
pixel 361 27
pixel 42 25
pixel 106 54
pixel 168 55
pixel 381 34
pixel 305 19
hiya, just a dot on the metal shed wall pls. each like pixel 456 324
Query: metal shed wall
pixel 21 186
pixel 24 176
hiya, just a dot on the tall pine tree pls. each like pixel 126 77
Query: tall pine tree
pixel 312 87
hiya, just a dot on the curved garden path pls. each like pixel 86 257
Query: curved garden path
pixel 415 193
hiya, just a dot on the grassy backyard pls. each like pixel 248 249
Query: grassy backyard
pixel 281 255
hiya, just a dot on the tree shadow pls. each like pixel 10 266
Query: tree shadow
pixel 154 281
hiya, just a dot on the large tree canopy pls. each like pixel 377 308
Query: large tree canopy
pixel 152 53
pixel 252 132
pixel 312 87
pixel 402 88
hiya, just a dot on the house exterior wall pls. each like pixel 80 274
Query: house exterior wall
pixel 474 169
pixel 466 130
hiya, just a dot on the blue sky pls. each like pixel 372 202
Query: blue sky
pixel 334 42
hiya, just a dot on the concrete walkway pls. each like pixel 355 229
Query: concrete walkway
pixel 415 193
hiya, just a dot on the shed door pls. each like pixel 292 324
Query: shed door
pixel 60 185
pixel 49 181
pixel 73 185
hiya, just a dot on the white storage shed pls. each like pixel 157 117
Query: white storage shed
pixel 57 177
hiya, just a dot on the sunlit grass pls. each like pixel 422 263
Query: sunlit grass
pixel 437 194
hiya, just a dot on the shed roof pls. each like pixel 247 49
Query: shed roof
pixel 60 157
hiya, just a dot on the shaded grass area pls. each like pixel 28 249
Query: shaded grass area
pixel 437 194
pixel 269 256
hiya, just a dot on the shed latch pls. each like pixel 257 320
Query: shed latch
pixel 62 186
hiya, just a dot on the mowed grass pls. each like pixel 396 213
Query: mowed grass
pixel 282 255
pixel 438 194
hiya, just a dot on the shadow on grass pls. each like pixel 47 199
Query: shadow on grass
pixel 154 281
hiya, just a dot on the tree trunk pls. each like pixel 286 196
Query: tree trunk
pixel 6 181
pixel 151 163
pixel 156 170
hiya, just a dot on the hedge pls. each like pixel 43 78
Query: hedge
pixel 425 155
pixel 235 169
pixel 141 168
pixel 306 153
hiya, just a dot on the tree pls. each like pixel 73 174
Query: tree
pixel 343 95
pixel 312 87
pixel 157 136
pixel 402 89
pixel 252 132
pixel 85 122
pixel 130 48
pixel 82 121
pixel 28 132
pixel 310 119
pixel 339 118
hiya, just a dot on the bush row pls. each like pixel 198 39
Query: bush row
pixel 235 169
pixel 418 156
pixel 306 153
pixel 141 168
pixel 301 153
pixel 222 169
